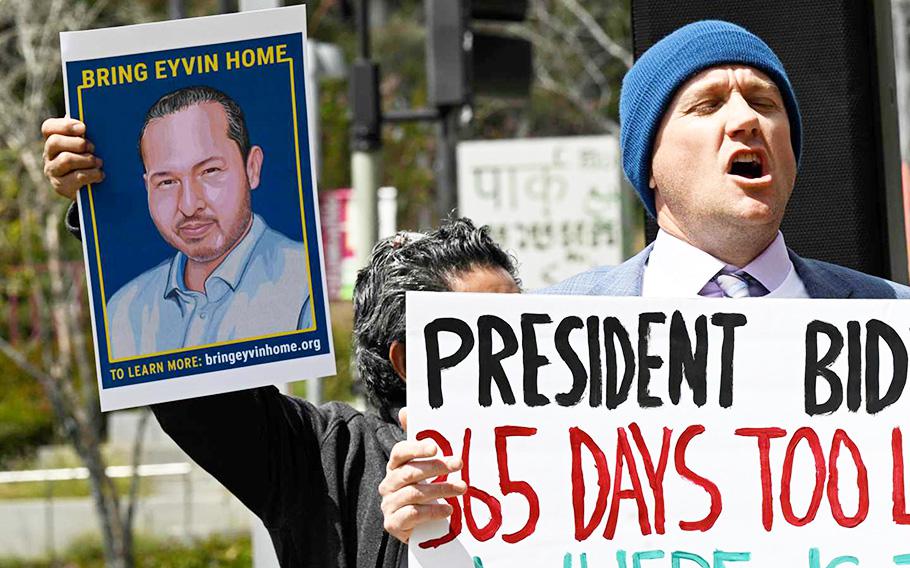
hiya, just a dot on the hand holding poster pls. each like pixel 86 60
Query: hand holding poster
pixel 630 432
pixel 202 243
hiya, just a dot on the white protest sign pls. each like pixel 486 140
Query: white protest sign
pixel 632 432
pixel 553 202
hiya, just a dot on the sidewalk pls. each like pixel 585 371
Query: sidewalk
pixel 172 506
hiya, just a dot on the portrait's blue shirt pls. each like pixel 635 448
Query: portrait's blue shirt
pixel 261 288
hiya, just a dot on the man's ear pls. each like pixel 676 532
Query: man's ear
pixel 397 357
pixel 651 183
pixel 254 166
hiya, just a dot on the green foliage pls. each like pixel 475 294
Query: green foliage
pixel 341 386
pixel 334 127
pixel 25 416
pixel 26 421
pixel 409 149
pixel 210 552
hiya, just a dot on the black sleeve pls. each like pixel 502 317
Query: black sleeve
pixel 72 221
pixel 261 445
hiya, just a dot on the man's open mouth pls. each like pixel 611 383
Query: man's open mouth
pixel 747 164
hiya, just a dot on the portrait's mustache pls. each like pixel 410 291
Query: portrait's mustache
pixel 196 220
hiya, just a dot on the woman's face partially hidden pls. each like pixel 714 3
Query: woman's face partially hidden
pixel 484 279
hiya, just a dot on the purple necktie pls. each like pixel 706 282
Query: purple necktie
pixel 738 285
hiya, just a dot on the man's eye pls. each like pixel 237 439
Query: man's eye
pixel 167 183
pixel 706 106
pixel 211 170
pixel 763 103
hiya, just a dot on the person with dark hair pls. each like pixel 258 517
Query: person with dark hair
pixel 232 275
pixel 409 262
pixel 311 472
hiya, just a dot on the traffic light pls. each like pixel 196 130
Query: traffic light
pixel 463 63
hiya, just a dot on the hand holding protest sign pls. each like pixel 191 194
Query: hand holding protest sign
pixel 69 163
pixel 414 482
pixel 610 431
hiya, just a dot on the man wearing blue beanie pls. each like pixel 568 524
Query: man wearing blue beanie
pixel 711 138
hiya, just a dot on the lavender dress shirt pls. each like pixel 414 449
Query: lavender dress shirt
pixel 676 269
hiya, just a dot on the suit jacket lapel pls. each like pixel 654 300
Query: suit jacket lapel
pixel 625 279
pixel 819 281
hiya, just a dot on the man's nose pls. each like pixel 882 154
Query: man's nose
pixel 742 119
pixel 191 197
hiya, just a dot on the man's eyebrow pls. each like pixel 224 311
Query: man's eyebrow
pixel 195 166
pixel 757 84
pixel 705 88
pixel 160 174
pixel 754 84
pixel 201 163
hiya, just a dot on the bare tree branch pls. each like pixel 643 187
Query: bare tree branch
pixel 575 58
pixel 597 32
pixel 137 459
pixel 60 359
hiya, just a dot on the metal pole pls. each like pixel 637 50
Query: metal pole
pixel 387 211
pixel 312 105
pixel 446 173
pixel 365 168
pixel 902 71
pixel 175 9
pixel 187 506
pixel 246 5
pixel 49 522
pixel 888 109
pixel 366 143
pixel 227 6
pixel 379 13
pixel 363 30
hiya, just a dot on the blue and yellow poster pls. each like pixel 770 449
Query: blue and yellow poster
pixel 202 243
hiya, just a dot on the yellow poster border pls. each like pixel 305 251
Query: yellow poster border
pixel 290 61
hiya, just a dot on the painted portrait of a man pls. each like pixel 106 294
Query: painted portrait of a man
pixel 232 277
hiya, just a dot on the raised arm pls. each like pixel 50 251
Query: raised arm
pixel 69 162
pixel 261 445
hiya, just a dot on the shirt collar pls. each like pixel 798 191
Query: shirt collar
pixel 686 269
pixel 229 271
pixel 175 276
pixel 772 266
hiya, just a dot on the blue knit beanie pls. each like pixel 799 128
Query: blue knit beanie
pixel 649 87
